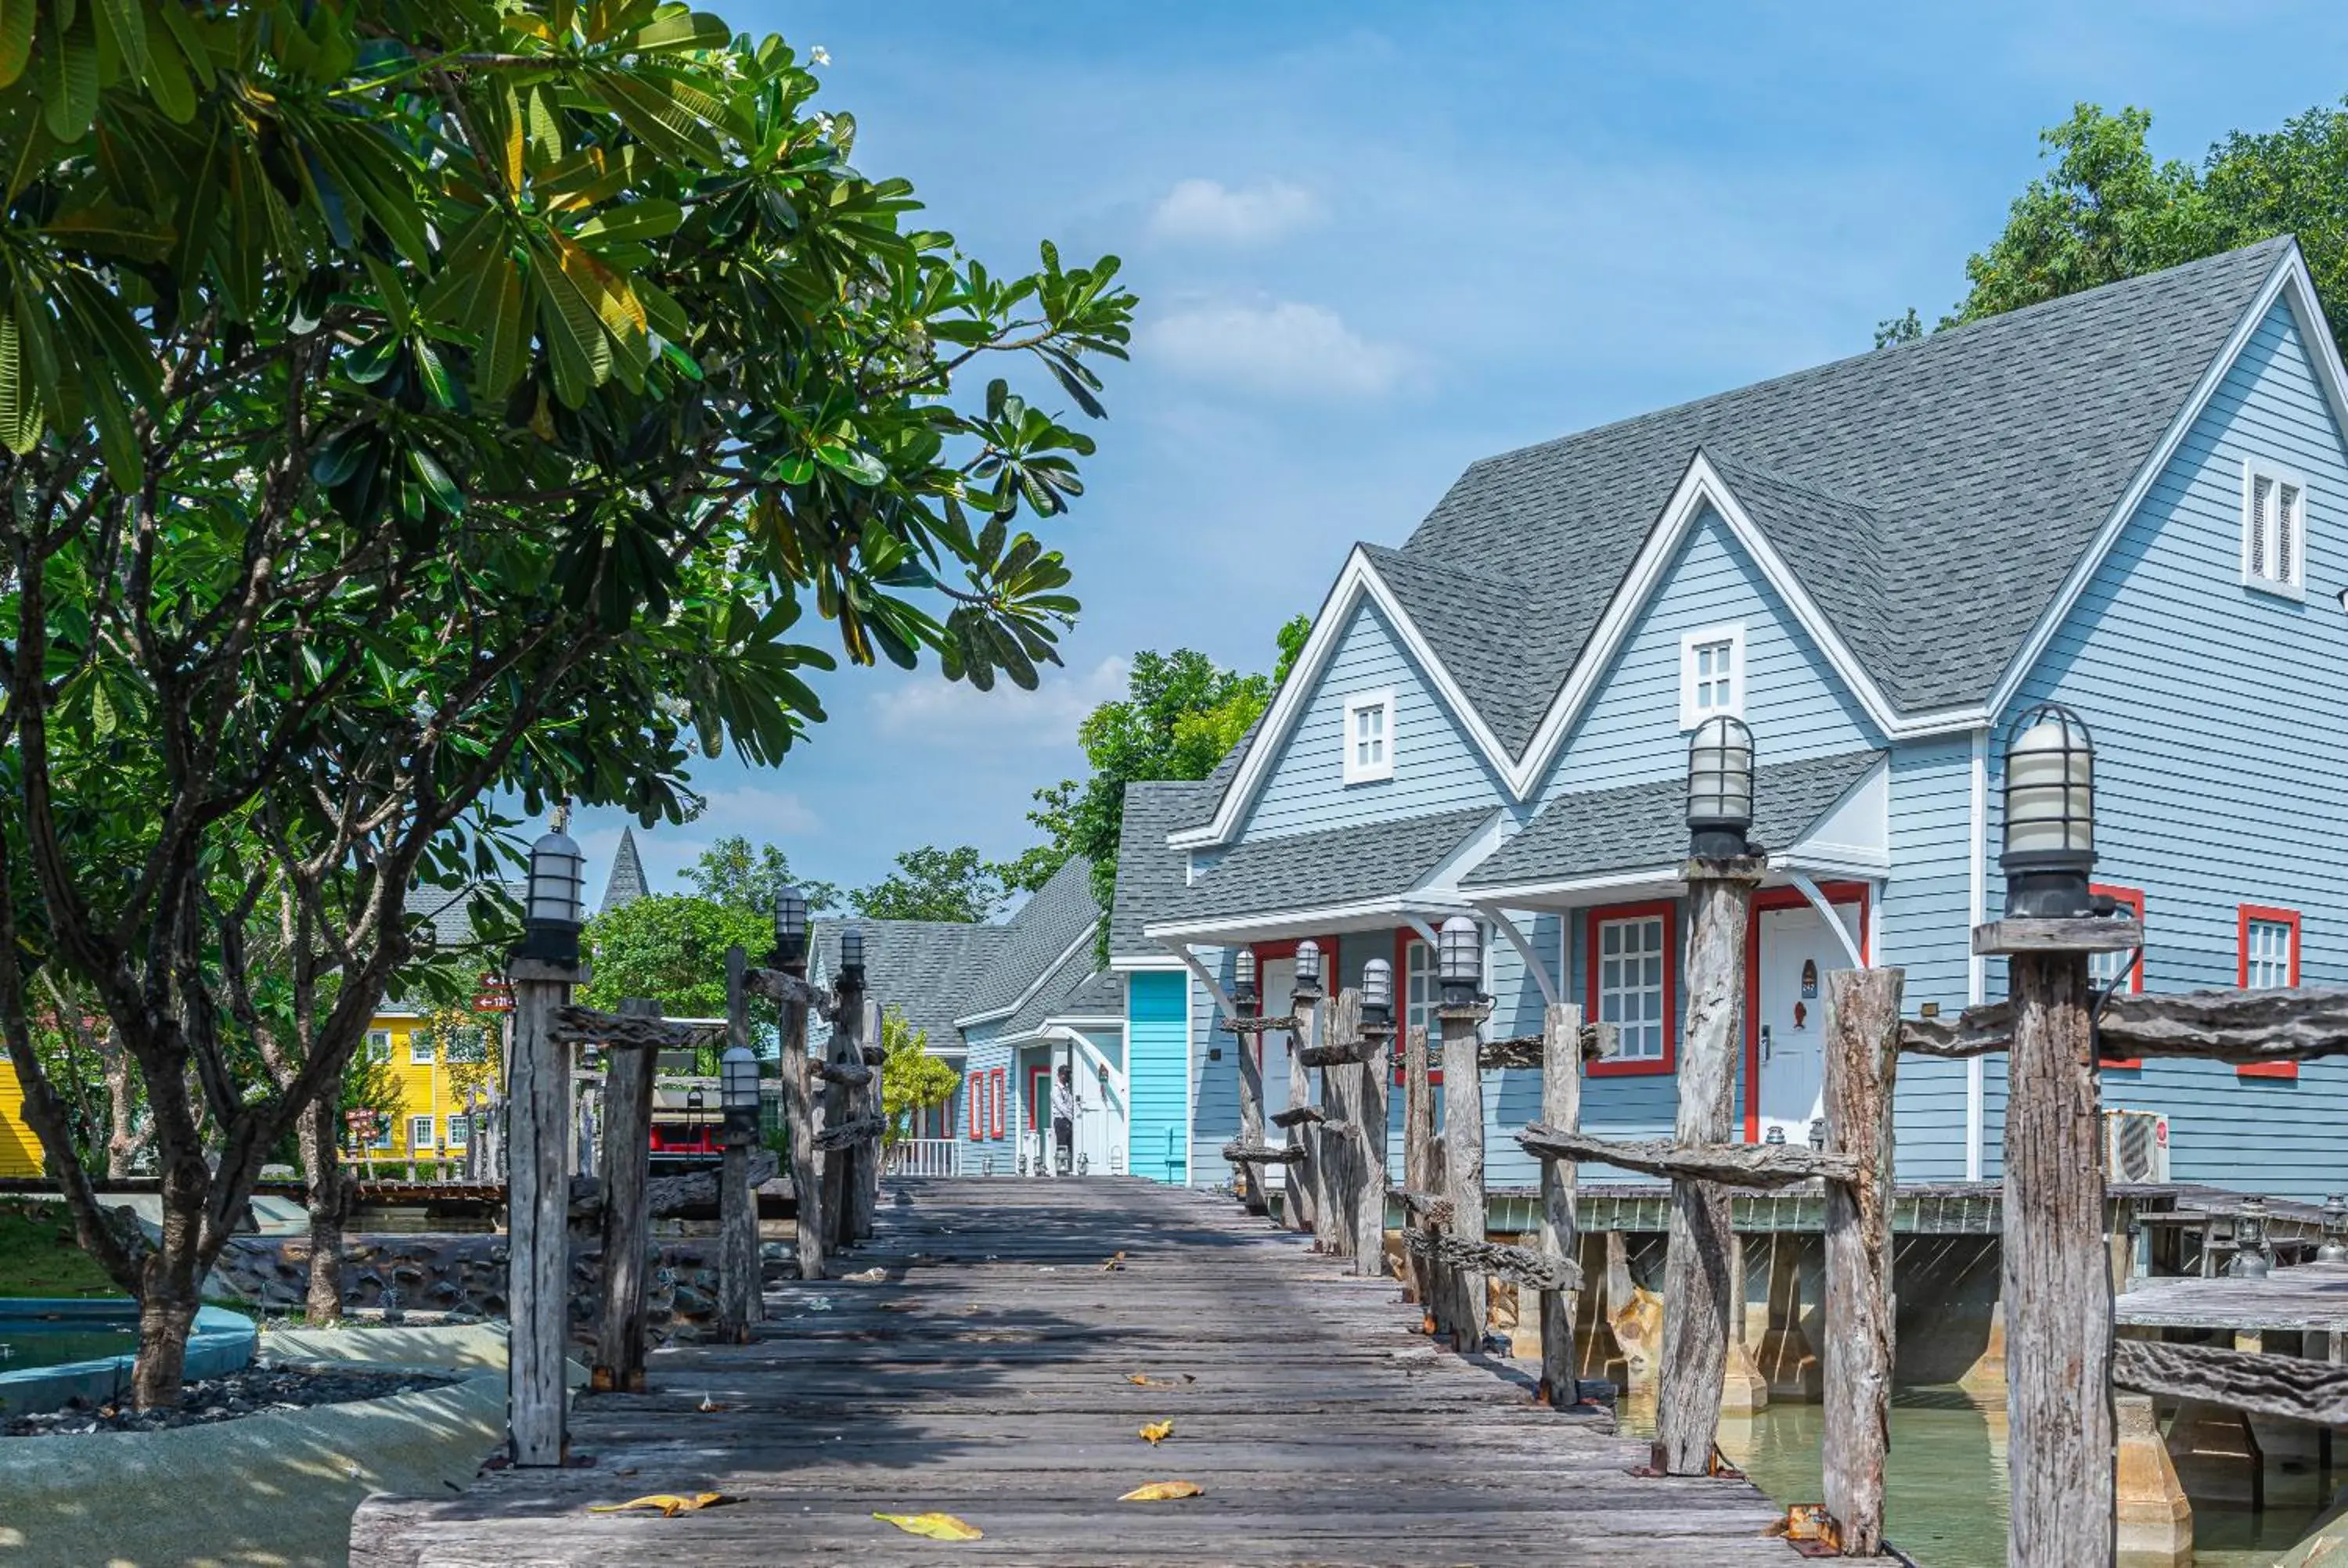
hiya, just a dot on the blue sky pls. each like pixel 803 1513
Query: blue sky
pixel 1373 242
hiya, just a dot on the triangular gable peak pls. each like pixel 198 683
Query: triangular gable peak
pixel 1724 484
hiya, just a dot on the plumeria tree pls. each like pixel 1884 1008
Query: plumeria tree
pixel 408 406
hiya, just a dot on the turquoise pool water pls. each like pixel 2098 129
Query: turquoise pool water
pixel 60 1351
pixel 24 1345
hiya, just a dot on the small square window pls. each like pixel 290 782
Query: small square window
pixel 1630 985
pixel 2274 530
pixel 419 1048
pixel 1712 674
pixel 420 1134
pixel 460 1127
pixel 1369 737
pixel 2268 959
pixel 378 1045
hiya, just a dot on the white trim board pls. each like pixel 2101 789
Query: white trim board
pixel 971 1019
pixel 1702 484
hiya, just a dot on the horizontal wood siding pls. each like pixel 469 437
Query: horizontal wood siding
pixel 1924 918
pixel 2220 758
pixel 988 1052
pixel 1794 702
pixel 1217 1083
pixel 1158 1027
pixel 1437 768
pixel 20 1151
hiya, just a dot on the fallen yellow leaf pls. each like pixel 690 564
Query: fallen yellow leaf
pixel 669 1504
pixel 936 1526
pixel 1146 1381
pixel 1113 1264
pixel 1164 1492
pixel 1156 1433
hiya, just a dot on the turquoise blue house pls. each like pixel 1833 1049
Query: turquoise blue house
pixel 2133 500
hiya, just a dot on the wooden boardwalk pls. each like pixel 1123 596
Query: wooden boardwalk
pixel 988 1376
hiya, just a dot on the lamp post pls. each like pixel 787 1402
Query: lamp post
pixel 1377 994
pixel 543 969
pixel 1305 1204
pixel 791 930
pixel 738 1264
pixel 847 1050
pixel 2056 1276
pixel 2335 1230
pixel 792 936
pixel 1244 981
pixel 2249 1260
pixel 1369 1154
pixel 1459 1296
pixel 1721 873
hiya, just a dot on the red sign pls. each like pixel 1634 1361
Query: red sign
pixel 496 995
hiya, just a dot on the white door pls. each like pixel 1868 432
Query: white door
pixel 1278 979
pixel 1797 951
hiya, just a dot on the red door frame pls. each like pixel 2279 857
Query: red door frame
pixel 2132 900
pixel 1266 952
pixel 1404 937
pixel 1785 898
pixel 1034 1101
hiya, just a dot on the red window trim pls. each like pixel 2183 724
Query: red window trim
pixel 1000 1075
pixel 2243 915
pixel 1032 1098
pixel 1787 899
pixel 1669 909
pixel 974 1099
pixel 1404 937
pixel 2128 898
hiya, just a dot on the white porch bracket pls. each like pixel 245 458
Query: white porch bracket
pixel 1524 947
pixel 1810 891
pixel 1425 933
pixel 1205 977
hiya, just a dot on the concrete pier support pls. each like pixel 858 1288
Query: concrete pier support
pixel 1987 1374
pixel 2154 1520
pixel 1785 1358
pixel 1743 1390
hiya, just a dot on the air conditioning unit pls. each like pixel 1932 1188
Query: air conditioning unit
pixel 2135 1146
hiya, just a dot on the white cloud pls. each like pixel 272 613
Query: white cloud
pixel 1285 349
pixel 936 708
pixel 1208 212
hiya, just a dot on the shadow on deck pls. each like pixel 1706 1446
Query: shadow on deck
pixel 989 1375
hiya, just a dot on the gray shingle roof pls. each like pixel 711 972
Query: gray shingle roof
pixel 1074 989
pixel 1060 912
pixel 1976 462
pixel 1149 875
pixel 1209 798
pixel 1634 826
pixel 922 968
pixel 447 921
pixel 1308 870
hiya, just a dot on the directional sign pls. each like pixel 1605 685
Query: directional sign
pixel 495 996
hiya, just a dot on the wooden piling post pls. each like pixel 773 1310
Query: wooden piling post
pixel 798 1128
pixel 1417 1155
pixel 1561 1108
pixel 1248 1043
pixel 1862 1058
pixel 738 1264
pixel 1339 1142
pixel 538 1204
pixel 864 1196
pixel 1695 1271
pixel 1463 1165
pixel 1301 1205
pixel 847 1049
pixel 627 1166
pixel 2058 1287
pixel 1370 1159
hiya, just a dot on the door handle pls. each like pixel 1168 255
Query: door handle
pixel 1766 1043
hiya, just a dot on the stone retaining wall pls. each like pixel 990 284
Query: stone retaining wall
pixel 464 1276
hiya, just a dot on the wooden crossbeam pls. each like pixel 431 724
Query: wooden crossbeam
pixel 862 1130
pixel 585 1026
pixel 850 1073
pixel 1432 1207
pixel 2291 1388
pixel 1298 1115
pixel 1340 1053
pixel 1735 1164
pixel 778 986
pixel 1256 1025
pixel 1497 1260
pixel 2294 1024
pixel 1260 1154
pixel 1599 1040
pixel 875 1056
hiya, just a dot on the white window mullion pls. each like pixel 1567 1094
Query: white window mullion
pixel 2274 529
pixel 1368 737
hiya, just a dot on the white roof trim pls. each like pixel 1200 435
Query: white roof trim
pixel 1145 966
pixel 1556 893
pixel 969 1019
pixel 1364 915
pixel 2289 283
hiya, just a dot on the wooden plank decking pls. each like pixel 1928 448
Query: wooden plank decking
pixel 987 1376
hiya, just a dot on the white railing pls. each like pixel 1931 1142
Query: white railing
pixel 923 1157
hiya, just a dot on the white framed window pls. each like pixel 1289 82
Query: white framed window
pixel 382 1132
pixel 2274 529
pixel 1712 673
pixel 378 1046
pixel 1632 992
pixel 460 1129
pixel 1421 991
pixel 420 1134
pixel 419 1048
pixel 2266 953
pixel 1369 737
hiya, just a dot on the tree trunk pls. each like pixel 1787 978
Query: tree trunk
pixel 167 1298
pixel 1560 1107
pixel 1696 1279
pixel 2057 1284
pixel 1862 1058
pixel 124 1141
pixel 316 1136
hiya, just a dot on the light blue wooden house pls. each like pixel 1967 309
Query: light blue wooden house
pixel 2133 500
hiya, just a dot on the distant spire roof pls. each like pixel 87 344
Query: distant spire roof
pixel 627 881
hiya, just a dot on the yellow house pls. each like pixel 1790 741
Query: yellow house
pixel 20 1152
pixel 429 1121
